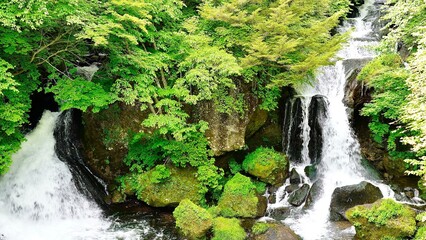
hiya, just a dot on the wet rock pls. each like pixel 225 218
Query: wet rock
pixel 291 188
pixel 262 205
pixel 409 192
pixel 349 196
pixel 317 115
pixel 292 129
pixel 280 213
pixel 298 197
pixel 314 193
pixel 294 177
pixel 311 172
pixel 278 231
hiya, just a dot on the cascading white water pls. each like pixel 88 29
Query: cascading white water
pixel 340 162
pixel 39 200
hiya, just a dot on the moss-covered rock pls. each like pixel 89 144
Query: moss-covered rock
pixel 239 198
pixel 181 184
pixel 421 233
pixel 268 165
pixel 227 228
pixel 384 219
pixel 192 221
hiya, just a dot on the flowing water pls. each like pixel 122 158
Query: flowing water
pixel 40 201
pixel 326 138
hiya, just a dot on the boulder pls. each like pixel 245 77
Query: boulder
pixel 294 177
pixel 314 193
pixel 384 219
pixel 298 197
pixel 239 198
pixel 277 231
pixel 182 184
pixel 228 228
pixel 349 196
pixel 105 139
pixel 268 165
pixel 192 221
pixel 311 172
pixel 227 127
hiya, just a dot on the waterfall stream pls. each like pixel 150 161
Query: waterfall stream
pixel 40 201
pixel 317 131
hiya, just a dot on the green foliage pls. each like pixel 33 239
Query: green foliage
pixel 387 76
pixel 238 198
pixel 259 228
pixel 227 228
pixel 160 174
pixel 235 167
pixel 193 221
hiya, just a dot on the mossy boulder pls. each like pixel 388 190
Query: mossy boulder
pixel 421 233
pixel 192 221
pixel 384 219
pixel 239 198
pixel 157 192
pixel 268 165
pixel 227 228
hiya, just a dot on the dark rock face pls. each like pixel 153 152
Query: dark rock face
pixel 294 177
pixel 311 172
pixel 349 196
pixel 278 231
pixel 317 115
pixel 105 138
pixel 298 197
pixel 68 147
pixel 314 193
pixel 293 142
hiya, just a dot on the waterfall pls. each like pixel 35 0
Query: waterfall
pixel 40 201
pixel 317 132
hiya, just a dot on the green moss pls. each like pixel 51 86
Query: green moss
pixel 238 198
pixel 267 164
pixel 421 233
pixel 259 228
pixel 170 191
pixel 191 220
pixel 227 229
pixel 384 219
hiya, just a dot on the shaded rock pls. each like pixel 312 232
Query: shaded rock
pixel 182 184
pixel 384 219
pixel 280 213
pixel 311 172
pixel 192 221
pixel 262 205
pixel 227 131
pixel 298 197
pixel 278 231
pixel 292 140
pixel 314 193
pixel 268 165
pixel 292 188
pixel 105 138
pixel 317 115
pixel 349 196
pixel 294 177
